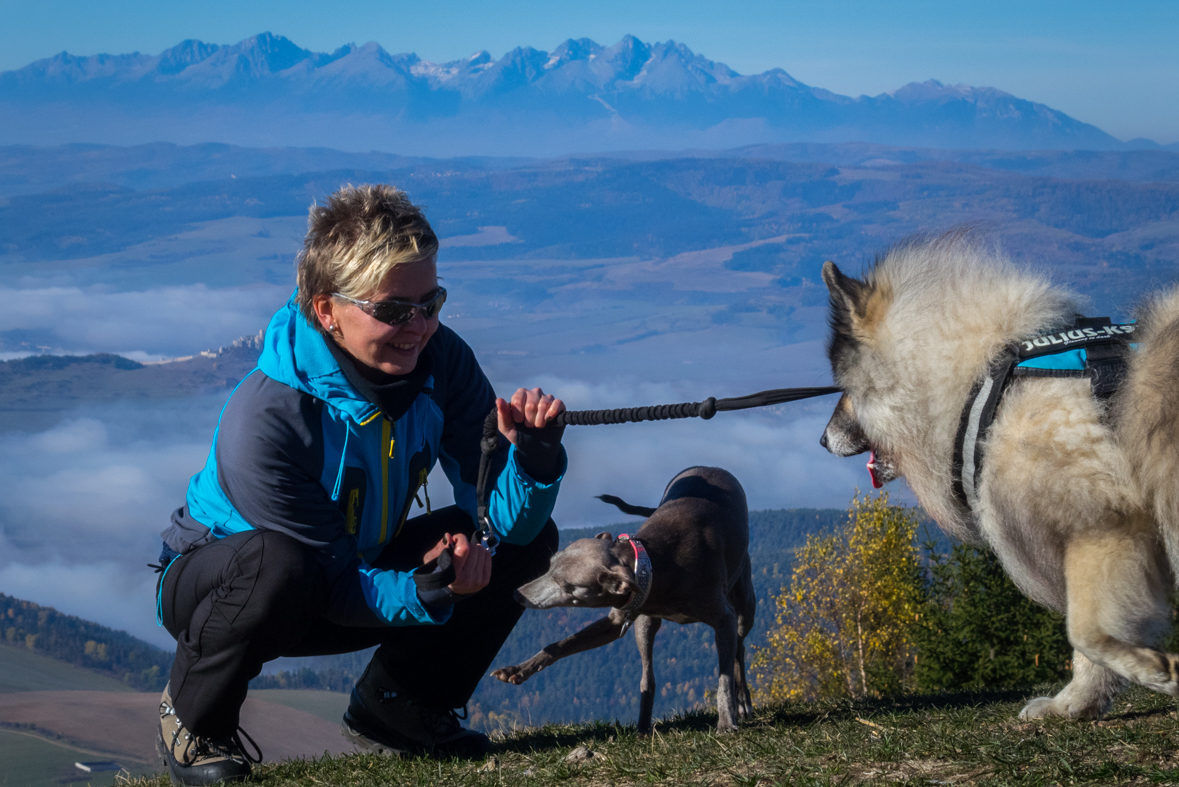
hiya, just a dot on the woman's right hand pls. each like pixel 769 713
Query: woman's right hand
pixel 472 563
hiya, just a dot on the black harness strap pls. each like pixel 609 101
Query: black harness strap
pixel 1105 345
pixel 663 412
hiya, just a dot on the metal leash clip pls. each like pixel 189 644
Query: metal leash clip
pixel 487 536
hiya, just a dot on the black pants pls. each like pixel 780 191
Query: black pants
pixel 252 597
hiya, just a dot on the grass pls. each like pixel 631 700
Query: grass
pixel 23 670
pixel 960 738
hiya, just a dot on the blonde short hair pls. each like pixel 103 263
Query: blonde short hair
pixel 355 239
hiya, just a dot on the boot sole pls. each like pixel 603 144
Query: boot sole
pixel 355 734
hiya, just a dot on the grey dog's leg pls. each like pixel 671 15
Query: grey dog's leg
pixel 740 685
pixel 645 630
pixel 726 653
pixel 600 632
pixel 1087 696
pixel 744 600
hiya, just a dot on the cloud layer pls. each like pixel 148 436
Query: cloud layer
pixel 145 324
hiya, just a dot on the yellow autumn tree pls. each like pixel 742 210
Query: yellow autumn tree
pixel 843 626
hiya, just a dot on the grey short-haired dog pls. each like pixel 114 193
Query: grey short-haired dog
pixel 688 563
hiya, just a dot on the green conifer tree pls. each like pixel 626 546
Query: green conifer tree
pixel 977 630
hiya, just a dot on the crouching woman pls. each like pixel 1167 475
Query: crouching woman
pixel 296 540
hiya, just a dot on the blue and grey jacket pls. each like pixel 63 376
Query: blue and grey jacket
pixel 299 450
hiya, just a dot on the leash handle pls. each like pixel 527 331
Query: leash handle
pixel 487 447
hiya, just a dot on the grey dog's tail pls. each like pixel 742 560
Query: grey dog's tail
pixel 1146 413
pixel 625 507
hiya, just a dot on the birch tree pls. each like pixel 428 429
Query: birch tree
pixel 844 624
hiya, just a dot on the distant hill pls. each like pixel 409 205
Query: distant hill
pixel 22 670
pixel 46 632
pixel 581 96
pixel 25 169
pixel 35 389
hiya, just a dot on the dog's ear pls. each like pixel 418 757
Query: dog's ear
pixel 856 307
pixel 847 294
pixel 605 534
pixel 617 582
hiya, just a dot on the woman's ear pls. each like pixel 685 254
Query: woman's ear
pixel 324 306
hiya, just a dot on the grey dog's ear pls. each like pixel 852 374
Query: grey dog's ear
pixel 617 581
pixel 605 534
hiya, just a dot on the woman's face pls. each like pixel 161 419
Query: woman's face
pixel 391 349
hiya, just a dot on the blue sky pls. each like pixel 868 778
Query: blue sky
pixel 1114 65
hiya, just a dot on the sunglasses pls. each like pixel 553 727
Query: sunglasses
pixel 394 312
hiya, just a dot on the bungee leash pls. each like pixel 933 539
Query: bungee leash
pixel 624 415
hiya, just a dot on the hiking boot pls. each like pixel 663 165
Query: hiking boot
pixel 194 759
pixel 381 718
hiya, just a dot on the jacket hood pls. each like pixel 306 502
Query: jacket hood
pixel 295 354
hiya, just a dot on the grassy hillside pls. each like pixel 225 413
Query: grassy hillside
pixel 115 654
pixel 23 670
pixel 28 760
pixel 943 739
pixel 327 705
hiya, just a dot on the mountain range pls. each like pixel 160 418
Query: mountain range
pixel 266 90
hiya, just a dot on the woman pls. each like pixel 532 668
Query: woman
pixel 295 538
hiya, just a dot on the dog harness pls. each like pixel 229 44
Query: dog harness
pixel 1091 347
pixel 642 578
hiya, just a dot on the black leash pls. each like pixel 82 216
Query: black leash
pixel 624 415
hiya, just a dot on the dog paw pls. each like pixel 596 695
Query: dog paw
pixel 513 675
pixel 1040 708
pixel 1172 685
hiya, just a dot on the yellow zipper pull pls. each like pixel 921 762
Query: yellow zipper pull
pixel 392 443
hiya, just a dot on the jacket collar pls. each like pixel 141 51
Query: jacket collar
pixel 297 355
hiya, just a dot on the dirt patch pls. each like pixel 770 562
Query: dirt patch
pixel 940 771
pixel 124 724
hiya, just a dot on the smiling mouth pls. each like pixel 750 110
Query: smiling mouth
pixel 404 347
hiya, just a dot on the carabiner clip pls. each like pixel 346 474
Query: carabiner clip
pixel 487 536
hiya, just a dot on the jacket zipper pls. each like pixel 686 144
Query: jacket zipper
pixel 386 436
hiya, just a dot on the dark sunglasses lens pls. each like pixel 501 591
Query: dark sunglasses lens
pixel 393 312
pixel 398 312
pixel 431 307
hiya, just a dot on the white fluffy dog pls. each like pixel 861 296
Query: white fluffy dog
pixel 1077 494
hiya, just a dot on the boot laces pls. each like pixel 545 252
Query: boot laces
pixel 443 721
pixel 203 747
pixel 230 746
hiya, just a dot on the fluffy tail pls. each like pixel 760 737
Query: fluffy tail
pixel 1147 414
pixel 626 508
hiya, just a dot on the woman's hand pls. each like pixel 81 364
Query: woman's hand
pixel 472 563
pixel 532 408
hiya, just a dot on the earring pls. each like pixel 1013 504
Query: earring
pixel 332 328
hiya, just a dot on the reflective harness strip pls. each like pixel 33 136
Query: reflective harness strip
pixel 1091 347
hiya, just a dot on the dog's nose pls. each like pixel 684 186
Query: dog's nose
pixel 823 439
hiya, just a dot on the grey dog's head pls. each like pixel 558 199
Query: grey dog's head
pixel 587 573
pixel 856 309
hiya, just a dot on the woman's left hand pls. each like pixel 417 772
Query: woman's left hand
pixel 532 408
